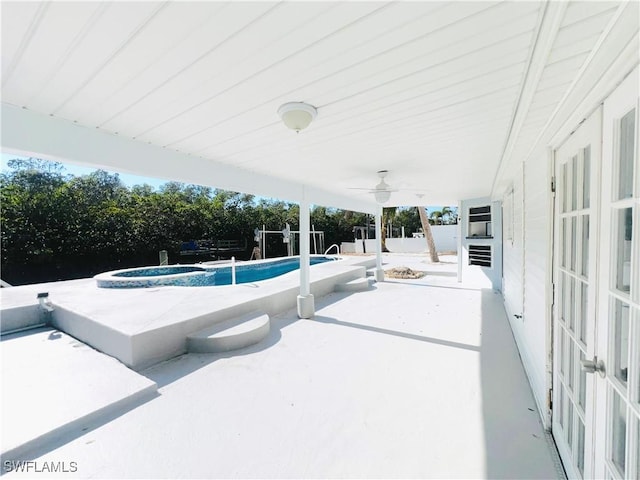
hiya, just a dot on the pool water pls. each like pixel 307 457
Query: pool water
pixel 262 271
pixel 201 275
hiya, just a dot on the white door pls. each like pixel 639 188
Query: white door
pixel 577 162
pixel 617 439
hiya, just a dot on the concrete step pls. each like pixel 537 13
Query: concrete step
pixel 357 285
pixel 231 334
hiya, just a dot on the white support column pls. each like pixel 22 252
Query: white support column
pixel 306 307
pixel 459 246
pixel 379 270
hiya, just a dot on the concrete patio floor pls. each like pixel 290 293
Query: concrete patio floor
pixel 412 379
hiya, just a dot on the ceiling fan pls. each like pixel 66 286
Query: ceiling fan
pixel 382 191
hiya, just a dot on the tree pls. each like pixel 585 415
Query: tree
pixel 450 215
pixel 388 213
pixel 426 228
pixel 436 216
pixel 409 219
pixel 31 211
pixel 36 165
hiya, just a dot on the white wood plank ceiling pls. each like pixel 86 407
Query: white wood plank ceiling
pixel 438 93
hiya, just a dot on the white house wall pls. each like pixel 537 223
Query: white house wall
pixel 512 252
pixel 526 270
pixel 536 263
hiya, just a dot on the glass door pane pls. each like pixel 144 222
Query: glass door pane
pixel 624 234
pixel 585 246
pixel 626 155
pixel 586 182
pixel 621 341
pixel 619 434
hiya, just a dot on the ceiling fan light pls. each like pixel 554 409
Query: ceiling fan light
pixel 382 196
pixel 297 115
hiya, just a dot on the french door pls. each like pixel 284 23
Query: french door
pixel 596 380
pixel 575 278
pixel 617 443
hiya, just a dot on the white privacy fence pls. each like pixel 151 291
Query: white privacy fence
pixel 444 236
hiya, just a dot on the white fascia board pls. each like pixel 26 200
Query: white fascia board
pixel 549 24
pixel 585 98
pixel 33 134
pixel 318 196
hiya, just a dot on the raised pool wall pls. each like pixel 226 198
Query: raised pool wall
pixel 141 327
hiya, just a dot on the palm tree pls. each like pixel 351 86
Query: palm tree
pixel 451 214
pixel 426 228
pixel 436 216
pixel 388 213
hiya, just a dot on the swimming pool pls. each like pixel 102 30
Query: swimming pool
pixel 202 275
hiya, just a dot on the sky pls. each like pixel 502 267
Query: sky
pixel 128 179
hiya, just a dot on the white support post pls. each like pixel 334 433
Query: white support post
pixel 306 307
pixel 379 270
pixel 315 244
pixel 459 234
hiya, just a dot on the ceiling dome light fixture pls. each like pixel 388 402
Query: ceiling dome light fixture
pixel 297 115
pixel 382 196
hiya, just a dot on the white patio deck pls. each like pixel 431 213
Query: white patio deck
pixel 412 379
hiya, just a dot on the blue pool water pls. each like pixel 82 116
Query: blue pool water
pixel 201 276
pixel 261 271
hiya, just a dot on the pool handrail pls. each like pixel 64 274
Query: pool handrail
pixel 333 245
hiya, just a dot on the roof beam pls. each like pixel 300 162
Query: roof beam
pixel 28 133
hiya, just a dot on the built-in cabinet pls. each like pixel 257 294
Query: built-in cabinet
pixel 480 222
pixel 480 255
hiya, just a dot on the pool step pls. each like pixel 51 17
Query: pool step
pixel 357 285
pixel 231 334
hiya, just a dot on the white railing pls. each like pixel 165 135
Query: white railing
pixel 334 245
pixel 233 270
